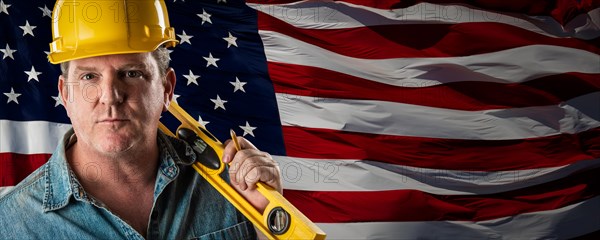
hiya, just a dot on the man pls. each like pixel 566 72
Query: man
pixel 114 175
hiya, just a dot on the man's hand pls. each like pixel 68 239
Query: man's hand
pixel 249 166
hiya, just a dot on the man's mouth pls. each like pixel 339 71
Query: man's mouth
pixel 113 120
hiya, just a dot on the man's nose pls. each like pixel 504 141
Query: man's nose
pixel 112 90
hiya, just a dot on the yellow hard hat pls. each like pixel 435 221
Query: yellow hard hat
pixel 82 29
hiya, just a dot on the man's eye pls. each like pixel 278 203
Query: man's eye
pixel 133 74
pixel 88 76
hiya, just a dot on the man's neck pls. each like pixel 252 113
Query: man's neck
pixel 134 169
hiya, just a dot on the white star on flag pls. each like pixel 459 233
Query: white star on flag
pixel 4 7
pixel 210 60
pixel 32 74
pixel 191 78
pixel 230 40
pixel 175 97
pixel 205 17
pixel 248 129
pixel 202 122
pixel 185 38
pixel 219 103
pixel 27 29
pixel 46 11
pixel 238 85
pixel 7 52
pixel 12 96
pixel 58 101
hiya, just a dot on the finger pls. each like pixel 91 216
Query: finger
pixel 252 177
pixel 246 167
pixel 257 168
pixel 229 151
pixel 236 166
pixel 271 176
pixel 233 169
pixel 265 174
pixel 245 143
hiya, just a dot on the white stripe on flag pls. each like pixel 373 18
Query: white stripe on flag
pixel 389 118
pixel 32 137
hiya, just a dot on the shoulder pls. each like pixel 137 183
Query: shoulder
pixel 176 149
pixel 30 187
pixel 23 201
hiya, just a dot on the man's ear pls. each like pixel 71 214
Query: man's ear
pixel 64 92
pixel 170 81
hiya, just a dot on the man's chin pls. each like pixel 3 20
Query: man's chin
pixel 114 149
pixel 115 144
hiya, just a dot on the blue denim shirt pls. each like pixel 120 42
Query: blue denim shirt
pixel 51 204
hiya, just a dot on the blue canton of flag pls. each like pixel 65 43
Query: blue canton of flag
pixel 26 76
pixel 221 71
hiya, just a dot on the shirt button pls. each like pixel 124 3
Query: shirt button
pixel 171 171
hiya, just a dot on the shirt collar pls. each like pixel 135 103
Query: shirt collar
pixel 57 176
pixel 61 183
pixel 170 148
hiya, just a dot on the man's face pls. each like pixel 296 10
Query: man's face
pixel 114 102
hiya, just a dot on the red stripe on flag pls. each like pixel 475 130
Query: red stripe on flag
pixel 450 154
pixel 15 167
pixel 440 40
pixel 468 95
pixel 412 205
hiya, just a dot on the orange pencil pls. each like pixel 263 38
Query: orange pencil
pixel 234 138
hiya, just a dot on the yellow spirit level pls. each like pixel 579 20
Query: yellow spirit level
pixel 279 220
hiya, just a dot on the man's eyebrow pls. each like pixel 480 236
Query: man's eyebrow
pixel 124 67
pixel 84 69
pixel 134 66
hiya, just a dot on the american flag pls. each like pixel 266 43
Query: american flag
pixel 390 119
